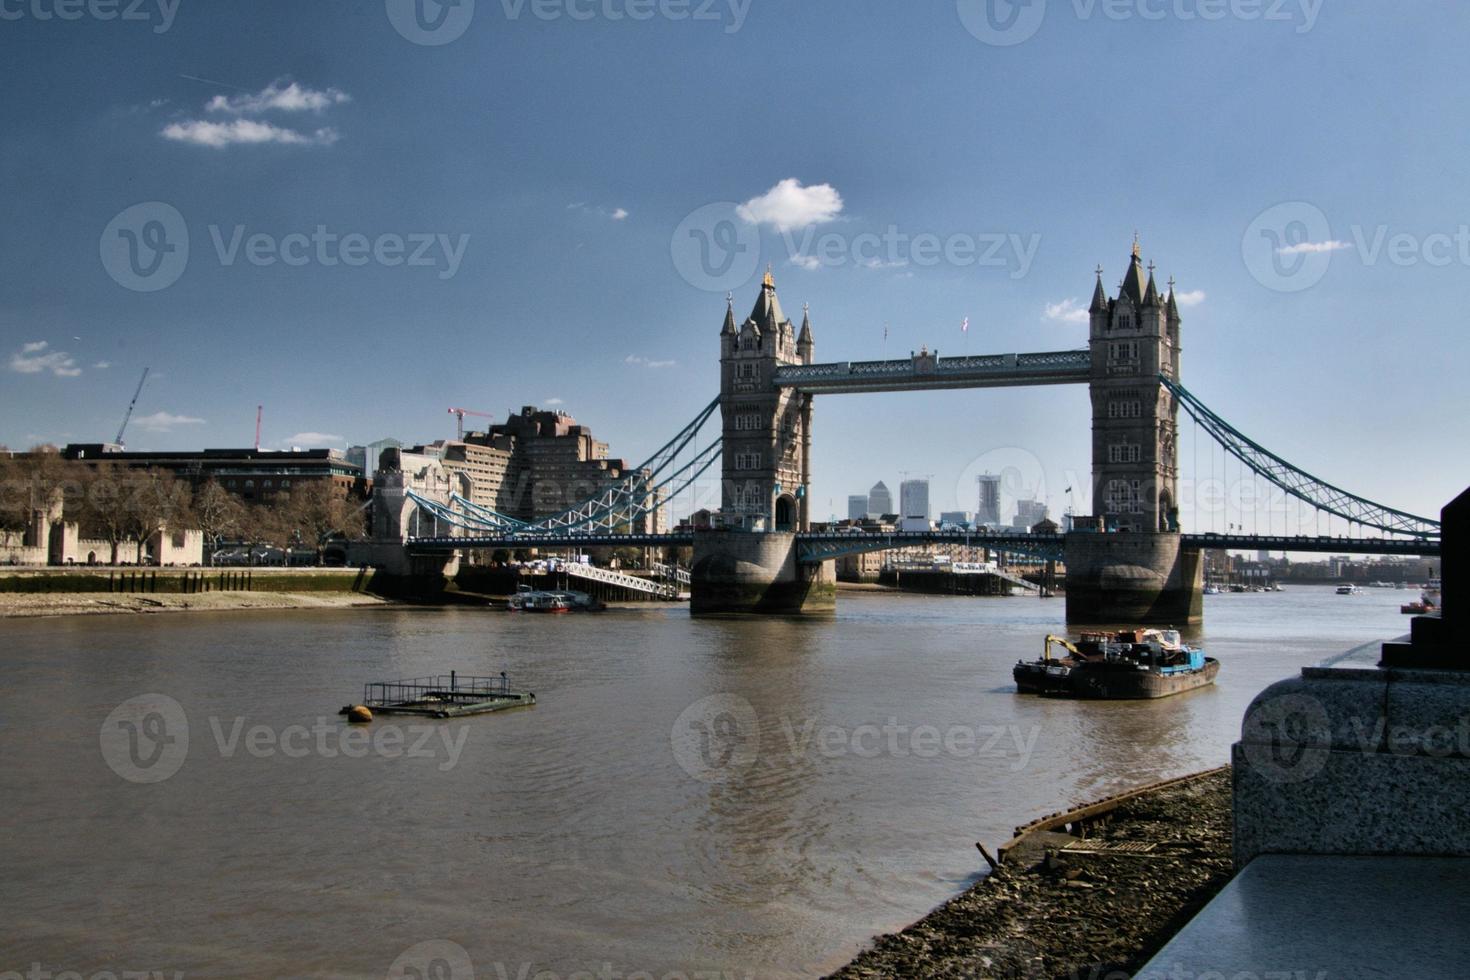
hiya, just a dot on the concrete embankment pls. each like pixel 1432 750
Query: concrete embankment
pixel 1094 891
pixel 74 591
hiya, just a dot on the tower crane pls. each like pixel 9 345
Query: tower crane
pixel 460 413
pixel 127 416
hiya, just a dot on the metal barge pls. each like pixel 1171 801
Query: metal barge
pixel 443 696
pixel 1127 665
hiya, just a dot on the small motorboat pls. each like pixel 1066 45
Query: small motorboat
pixel 1348 590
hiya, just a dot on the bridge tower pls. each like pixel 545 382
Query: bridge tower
pixel 767 430
pixel 1138 571
pixel 1134 338
pixel 749 563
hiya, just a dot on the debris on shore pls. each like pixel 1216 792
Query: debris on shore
pixel 1070 906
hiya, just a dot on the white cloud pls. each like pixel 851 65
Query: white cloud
pixel 35 358
pixel 645 362
pixel 789 205
pixel 555 401
pixel 290 98
pixel 1313 247
pixel 1067 311
pixel 218 135
pixel 881 264
pixel 1192 298
pixel 165 421
pixel 313 440
pixel 102 365
pixel 615 214
pixel 808 262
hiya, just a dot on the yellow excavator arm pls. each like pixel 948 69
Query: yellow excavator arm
pixel 1061 641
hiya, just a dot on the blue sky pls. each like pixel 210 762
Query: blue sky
pixel 538 167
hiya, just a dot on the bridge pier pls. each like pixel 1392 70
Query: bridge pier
pixel 751 572
pixel 1149 578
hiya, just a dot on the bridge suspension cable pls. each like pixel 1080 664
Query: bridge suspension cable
pixel 1298 483
pixel 615 508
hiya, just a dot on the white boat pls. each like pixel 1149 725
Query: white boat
pixel 1348 590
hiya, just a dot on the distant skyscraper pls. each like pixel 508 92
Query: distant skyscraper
pixel 956 518
pixel 880 501
pixel 857 506
pixel 989 509
pixel 913 498
pixel 1029 513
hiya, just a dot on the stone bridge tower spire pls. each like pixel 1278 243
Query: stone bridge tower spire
pixel 767 430
pixel 1134 338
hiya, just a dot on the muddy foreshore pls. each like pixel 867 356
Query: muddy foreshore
pixel 24 604
pixel 1077 907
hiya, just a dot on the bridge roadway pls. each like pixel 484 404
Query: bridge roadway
pixel 822 546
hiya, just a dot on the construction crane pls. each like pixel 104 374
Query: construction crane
pixel 460 413
pixel 129 413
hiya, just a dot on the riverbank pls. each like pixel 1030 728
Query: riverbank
pixel 15 605
pixel 1066 906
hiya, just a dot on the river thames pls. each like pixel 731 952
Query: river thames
pixel 633 821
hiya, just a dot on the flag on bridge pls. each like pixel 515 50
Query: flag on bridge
pixel 965 327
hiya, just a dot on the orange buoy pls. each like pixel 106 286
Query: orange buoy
pixel 359 714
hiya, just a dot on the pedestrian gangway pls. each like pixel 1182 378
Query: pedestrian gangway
pixel 607 576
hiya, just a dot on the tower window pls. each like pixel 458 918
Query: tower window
pixel 747 461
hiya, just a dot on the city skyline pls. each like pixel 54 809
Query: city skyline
pixel 559 266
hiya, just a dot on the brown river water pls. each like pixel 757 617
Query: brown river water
pixel 688 798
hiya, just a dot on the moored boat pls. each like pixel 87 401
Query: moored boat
pixel 1127 665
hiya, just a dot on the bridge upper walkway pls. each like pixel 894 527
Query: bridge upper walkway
pixel 921 372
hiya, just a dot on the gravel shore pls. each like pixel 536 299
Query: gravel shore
pixel 18 604
pixel 1094 913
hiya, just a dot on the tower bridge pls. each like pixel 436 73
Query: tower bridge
pixel 1134 564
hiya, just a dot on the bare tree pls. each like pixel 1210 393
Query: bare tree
pixel 217 513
